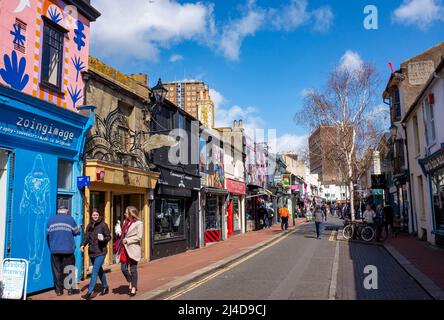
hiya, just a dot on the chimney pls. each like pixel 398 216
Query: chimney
pixel 140 78
pixel 241 124
pixel 235 124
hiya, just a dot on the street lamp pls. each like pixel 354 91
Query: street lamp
pixel 159 92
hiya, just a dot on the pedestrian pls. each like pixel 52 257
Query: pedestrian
pixel 270 215
pixel 128 249
pixel 60 232
pixel 263 213
pixel 379 221
pixel 319 216
pixel 369 215
pixel 96 237
pixel 284 214
pixel 389 219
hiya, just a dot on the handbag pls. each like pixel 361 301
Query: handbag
pixel 117 247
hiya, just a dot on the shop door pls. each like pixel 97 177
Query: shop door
pixel 4 156
pixel 230 219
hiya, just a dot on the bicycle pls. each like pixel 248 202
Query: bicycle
pixel 359 230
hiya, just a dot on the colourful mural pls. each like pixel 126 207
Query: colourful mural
pixel 21 52
pixel 212 165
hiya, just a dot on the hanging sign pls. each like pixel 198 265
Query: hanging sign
pixel 14 279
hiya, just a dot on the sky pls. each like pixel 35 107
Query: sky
pixel 260 56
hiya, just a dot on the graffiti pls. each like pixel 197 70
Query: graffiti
pixel 14 72
pixel 75 95
pixel 22 5
pixel 54 14
pixel 112 140
pixel 80 35
pixel 79 65
pixel 19 38
pixel 35 204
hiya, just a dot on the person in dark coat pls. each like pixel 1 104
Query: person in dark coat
pixel 96 237
pixel 60 232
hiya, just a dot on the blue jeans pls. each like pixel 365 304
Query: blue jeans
pixel 97 271
pixel 319 229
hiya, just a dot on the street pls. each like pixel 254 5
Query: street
pixel 300 267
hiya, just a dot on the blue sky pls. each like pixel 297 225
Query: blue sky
pixel 260 56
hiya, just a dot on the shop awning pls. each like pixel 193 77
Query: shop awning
pixel 215 190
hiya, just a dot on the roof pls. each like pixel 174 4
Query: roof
pixel 85 8
pixel 433 78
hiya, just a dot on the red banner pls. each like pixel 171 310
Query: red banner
pixel 236 187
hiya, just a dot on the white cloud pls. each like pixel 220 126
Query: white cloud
pixel 351 61
pixel 290 16
pixel 217 98
pixel 323 19
pixel 236 31
pixel 291 143
pixel 139 28
pixel 419 12
pixel 176 58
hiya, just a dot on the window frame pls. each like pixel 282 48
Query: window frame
pixel 47 23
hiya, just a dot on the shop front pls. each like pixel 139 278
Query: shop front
pixel 175 220
pixel 433 167
pixel 235 208
pixel 214 209
pixel 41 146
pixel 114 188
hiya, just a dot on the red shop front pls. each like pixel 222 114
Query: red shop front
pixel 236 207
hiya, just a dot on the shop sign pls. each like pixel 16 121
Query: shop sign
pixel 286 180
pixel 38 129
pixel 179 180
pixel 236 187
pixel 295 187
pixel 14 279
pixel 434 162
pixel 419 72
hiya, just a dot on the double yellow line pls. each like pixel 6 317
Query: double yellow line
pixel 227 268
pixel 332 236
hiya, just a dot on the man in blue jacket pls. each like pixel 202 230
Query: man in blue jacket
pixel 60 233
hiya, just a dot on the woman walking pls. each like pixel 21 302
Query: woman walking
pixel 96 237
pixel 128 248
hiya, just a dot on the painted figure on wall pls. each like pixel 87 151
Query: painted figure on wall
pixel 35 204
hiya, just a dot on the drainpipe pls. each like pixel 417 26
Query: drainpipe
pixel 410 182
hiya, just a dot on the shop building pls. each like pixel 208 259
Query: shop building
pixel 116 158
pixel 426 149
pixel 213 196
pixel 234 156
pixel 175 211
pixel 42 126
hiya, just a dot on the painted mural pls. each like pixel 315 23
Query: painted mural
pixel 21 52
pixel 211 165
pixel 35 204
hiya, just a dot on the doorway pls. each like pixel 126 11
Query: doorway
pixel 4 156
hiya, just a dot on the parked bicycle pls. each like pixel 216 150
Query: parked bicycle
pixel 358 229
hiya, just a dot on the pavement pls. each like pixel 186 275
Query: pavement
pixel 159 277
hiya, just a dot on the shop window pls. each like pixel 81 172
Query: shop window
pixel 97 202
pixel 236 215
pixel 169 219
pixel 65 201
pixel 429 118
pixel 212 214
pixel 438 199
pixel 64 175
pixel 52 55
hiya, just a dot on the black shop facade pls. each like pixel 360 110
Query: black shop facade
pixel 175 223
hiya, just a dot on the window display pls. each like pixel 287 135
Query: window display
pixel 236 215
pixel 438 198
pixel 212 214
pixel 169 219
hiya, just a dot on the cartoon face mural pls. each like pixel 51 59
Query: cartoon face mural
pixel 21 52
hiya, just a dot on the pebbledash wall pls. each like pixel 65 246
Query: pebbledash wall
pixel 42 124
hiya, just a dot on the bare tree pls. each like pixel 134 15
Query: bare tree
pixel 345 108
